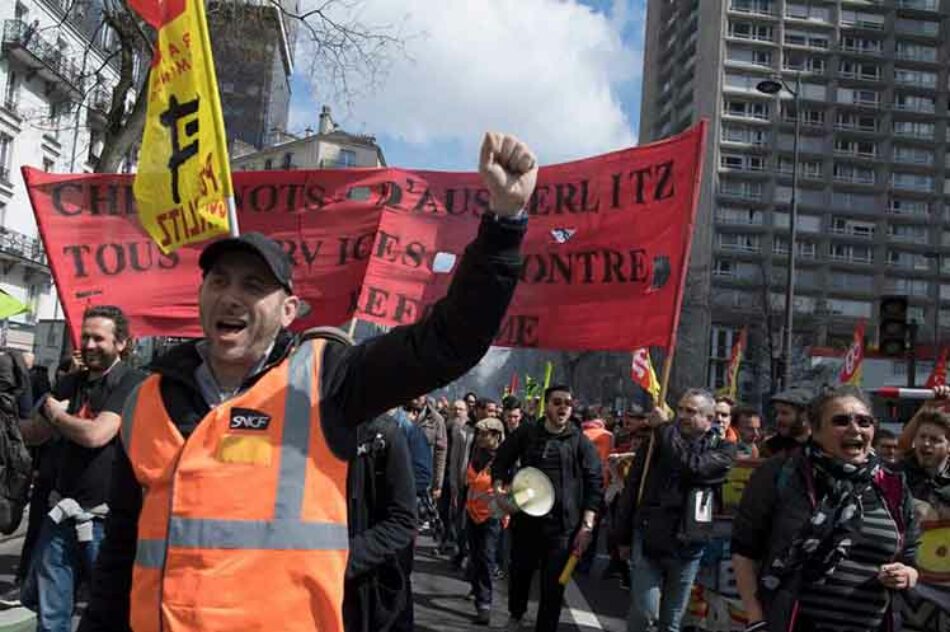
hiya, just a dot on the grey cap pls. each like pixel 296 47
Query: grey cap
pixel 797 396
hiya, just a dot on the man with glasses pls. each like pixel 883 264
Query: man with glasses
pixel 665 532
pixel 558 448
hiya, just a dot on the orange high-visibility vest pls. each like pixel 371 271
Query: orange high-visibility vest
pixel 243 526
pixel 603 440
pixel 480 492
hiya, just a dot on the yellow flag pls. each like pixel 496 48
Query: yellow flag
pixel 641 371
pixel 183 185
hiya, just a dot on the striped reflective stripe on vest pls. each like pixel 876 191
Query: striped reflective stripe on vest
pixel 286 531
pixel 275 535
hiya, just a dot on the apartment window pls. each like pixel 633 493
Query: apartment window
pixel 807 144
pixel 945 242
pixel 347 158
pixel 911 287
pixel 797 60
pixel 798 11
pixel 737 270
pixel 806 249
pixel 853 227
pixel 856 174
pixel 268 164
pixel 853 201
pixel 922 27
pixel 915 129
pixel 806 168
pixel 908 232
pixel 863 148
pixel 741 189
pixel 741 82
pixel 853 120
pixel 740 216
pixel 751 6
pixel 861 20
pixel 744 135
pixel 859 70
pixel 915 103
pixel 724 268
pixel 801 304
pixel 858 97
pixel 794 37
pixel 920 78
pixel 738 241
pixel 843 307
pixel 851 282
pixel 750 56
pixel 851 253
pixel 806 197
pixel 288 161
pixel 6 157
pixel 742 162
pixel 912 181
pixel 907 260
pixel 810 117
pixel 749 31
pixel 898 206
pixel 10 91
pixel 923 5
pixel 747 109
pixel 861 44
pixel 806 223
pixel 944 292
pixel 913 155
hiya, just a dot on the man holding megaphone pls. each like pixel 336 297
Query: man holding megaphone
pixel 544 542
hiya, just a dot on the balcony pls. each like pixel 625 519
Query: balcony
pixel 918 5
pixel 50 63
pixel 23 246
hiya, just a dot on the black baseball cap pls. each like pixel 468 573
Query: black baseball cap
pixel 264 247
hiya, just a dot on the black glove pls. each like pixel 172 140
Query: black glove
pixel 757 626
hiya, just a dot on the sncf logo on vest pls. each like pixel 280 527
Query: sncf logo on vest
pixel 247 419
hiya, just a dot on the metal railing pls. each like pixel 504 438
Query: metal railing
pixel 15 243
pixel 17 33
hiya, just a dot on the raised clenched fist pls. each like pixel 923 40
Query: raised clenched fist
pixel 509 171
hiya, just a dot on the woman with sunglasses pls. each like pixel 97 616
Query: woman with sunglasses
pixel 823 537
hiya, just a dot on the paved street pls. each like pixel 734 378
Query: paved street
pixel 439 595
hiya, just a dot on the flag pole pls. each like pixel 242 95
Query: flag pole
pixel 664 383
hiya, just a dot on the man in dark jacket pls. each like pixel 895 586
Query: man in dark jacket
pixel 558 448
pixel 382 522
pixel 666 531
pixel 246 302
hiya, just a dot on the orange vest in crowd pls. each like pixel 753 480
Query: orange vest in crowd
pixel 243 526
pixel 479 505
pixel 603 440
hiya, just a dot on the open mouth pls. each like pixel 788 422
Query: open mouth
pixel 229 326
pixel 853 446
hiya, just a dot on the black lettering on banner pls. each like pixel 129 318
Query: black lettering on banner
pixel 310 254
pixel 99 199
pixel 79 263
pixel 358 249
pixel 664 181
pixel 58 194
pixel 268 203
pixel 408 310
pixel 569 197
pixel 427 203
pixel 519 331
pixel 603 265
pixel 110 266
pixel 376 300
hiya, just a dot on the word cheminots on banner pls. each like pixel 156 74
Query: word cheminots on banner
pixel 604 258
pixel 183 179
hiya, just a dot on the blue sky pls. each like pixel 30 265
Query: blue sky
pixel 564 75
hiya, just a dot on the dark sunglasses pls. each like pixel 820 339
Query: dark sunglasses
pixel 843 421
pixel 557 401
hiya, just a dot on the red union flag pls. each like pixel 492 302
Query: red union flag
pixel 938 376
pixel 641 372
pixel 604 257
pixel 854 358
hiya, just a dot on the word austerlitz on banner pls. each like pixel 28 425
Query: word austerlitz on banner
pixel 183 185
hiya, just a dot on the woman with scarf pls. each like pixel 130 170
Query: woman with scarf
pixel 823 538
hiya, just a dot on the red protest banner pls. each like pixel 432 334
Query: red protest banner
pixel 605 253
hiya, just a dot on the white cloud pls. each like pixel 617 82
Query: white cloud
pixel 549 71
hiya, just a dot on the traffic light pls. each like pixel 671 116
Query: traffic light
pixel 892 325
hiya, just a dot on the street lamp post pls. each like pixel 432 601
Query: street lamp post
pixel 773 87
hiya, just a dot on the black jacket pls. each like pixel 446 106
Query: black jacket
pixel 382 522
pixel 932 489
pixel 581 472
pixel 774 509
pixel 678 466
pixel 357 383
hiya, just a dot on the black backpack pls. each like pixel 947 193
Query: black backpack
pixel 16 472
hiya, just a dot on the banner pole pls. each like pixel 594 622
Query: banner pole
pixel 233 229
pixel 664 383
pixel 352 328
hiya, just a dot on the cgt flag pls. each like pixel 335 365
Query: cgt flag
pixel 854 358
pixel 641 371
pixel 938 377
pixel 183 184
pixel 731 388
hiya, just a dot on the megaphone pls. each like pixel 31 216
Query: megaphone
pixel 531 491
